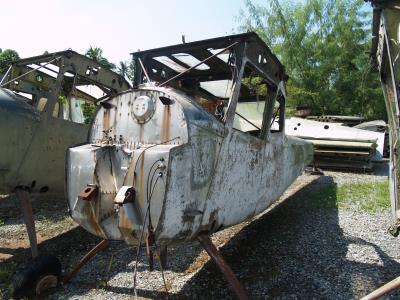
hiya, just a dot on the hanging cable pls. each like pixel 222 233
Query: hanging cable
pixel 151 184
pixel 140 240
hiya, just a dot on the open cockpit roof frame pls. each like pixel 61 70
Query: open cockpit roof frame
pixel 244 47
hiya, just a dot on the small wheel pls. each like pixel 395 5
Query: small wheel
pixel 41 274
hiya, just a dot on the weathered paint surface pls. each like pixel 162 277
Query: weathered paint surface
pixel 210 181
pixel 191 173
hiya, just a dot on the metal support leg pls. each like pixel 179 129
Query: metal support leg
pixel 162 253
pixel 149 250
pixel 235 284
pixel 383 290
pixel 26 206
pixel 96 249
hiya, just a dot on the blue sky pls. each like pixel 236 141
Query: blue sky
pixel 118 27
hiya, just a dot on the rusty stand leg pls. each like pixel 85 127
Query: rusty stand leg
pixel 26 205
pixel 383 290
pixel 96 249
pixel 162 253
pixel 235 284
pixel 149 250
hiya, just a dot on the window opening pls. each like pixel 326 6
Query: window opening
pixel 170 63
pixel 82 111
pixel 223 56
pixel 56 110
pixel 250 107
pixel 190 60
pixel 41 104
pixel 61 108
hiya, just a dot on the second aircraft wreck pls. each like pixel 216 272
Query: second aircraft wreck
pixel 191 149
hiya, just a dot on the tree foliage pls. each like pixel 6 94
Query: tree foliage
pixel 88 110
pixel 6 58
pixel 96 54
pixel 126 69
pixel 323 45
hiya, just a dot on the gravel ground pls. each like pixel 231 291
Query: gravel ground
pixel 297 250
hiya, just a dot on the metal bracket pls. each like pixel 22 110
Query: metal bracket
pixel 90 192
pixel 126 194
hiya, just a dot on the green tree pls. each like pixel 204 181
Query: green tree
pixel 122 68
pixel 323 45
pixel 88 110
pixel 6 58
pixel 96 54
pixel 126 69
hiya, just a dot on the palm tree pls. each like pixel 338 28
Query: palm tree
pixel 96 54
pixel 122 69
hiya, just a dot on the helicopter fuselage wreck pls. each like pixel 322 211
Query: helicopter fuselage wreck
pixel 177 160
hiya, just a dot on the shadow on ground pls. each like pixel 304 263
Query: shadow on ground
pixel 297 251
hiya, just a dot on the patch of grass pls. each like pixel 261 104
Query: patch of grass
pixel 370 196
pixel 2 222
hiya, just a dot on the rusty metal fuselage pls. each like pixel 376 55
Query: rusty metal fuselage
pixel 192 169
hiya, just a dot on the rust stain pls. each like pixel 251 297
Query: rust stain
pixel 141 194
pixel 257 144
pixel 106 120
pixel 124 223
pixel 141 133
pixel 93 221
pixel 89 193
pixel 165 124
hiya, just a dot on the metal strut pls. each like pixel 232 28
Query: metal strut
pixel 234 283
pixel 383 290
pixel 96 249
pixel 24 198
